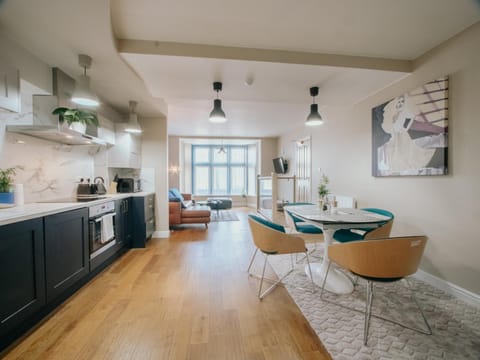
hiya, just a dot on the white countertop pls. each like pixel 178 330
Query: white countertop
pixel 35 210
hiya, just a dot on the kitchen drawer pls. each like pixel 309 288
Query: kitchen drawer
pixel 149 206
pixel 150 227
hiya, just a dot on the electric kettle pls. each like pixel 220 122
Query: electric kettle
pixel 100 182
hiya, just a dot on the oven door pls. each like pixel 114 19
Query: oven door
pixel 101 233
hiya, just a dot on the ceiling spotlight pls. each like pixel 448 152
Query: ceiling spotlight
pixel 217 115
pixel 82 94
pixel 133 126
pixel 314 117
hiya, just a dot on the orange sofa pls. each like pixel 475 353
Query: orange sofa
pixel 190 214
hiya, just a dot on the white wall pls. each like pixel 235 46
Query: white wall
pixel 155 159
pixel 445 208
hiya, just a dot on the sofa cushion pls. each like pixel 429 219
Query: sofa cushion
pixel 173 193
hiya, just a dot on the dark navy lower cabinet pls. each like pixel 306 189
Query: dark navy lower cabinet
pixel 123 223
pixel 22 275
pixel 143 219
pixel 67 257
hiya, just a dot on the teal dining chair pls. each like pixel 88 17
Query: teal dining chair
pixel 348 235
pixel 299 225
pixel 271 239
pixel 383 260
pixel 311 233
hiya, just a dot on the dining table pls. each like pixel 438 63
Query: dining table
pixel 330 221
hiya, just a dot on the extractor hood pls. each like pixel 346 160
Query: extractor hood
pixel 44 125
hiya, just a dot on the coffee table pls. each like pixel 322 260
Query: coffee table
pixel 212 204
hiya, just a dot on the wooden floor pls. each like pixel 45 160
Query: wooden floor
pixel 186 297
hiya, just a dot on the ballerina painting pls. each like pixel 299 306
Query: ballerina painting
pixel 410 132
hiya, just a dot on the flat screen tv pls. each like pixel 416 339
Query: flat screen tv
pixel 280 165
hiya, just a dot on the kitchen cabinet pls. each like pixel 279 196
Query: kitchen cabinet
pixel 66 250
pixel 22 274
pixel 127 151
pixel 143 219
pixel 123 223
pixel 9 88
pixel 106 130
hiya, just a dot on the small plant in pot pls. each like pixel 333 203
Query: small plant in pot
pixel 76 119
pixel 6 187
pixel 323 191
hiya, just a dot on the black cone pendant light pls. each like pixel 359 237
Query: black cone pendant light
pixel 217 115
pixel 314 117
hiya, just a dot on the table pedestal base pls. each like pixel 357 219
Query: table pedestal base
pixel 337 282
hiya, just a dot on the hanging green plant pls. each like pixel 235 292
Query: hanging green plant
pixel 76 115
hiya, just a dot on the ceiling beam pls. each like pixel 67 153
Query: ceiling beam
pixel 148 47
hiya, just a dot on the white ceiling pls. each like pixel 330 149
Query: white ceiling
pixel 278 100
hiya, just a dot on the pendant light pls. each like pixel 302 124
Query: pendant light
pixel 133 126
pixel 314 117
pixel 82 94
pixel 217 115
pixel 222 149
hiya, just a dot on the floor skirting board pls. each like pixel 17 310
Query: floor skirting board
pixel 451 289
pixel 161 234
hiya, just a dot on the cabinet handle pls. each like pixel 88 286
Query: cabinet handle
pixel 151 206
pixel 126 203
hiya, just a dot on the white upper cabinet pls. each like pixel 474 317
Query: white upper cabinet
pixel 106 130
pixel 127 150
pixel 9 88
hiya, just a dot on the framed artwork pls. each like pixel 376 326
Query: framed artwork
pixel 410 132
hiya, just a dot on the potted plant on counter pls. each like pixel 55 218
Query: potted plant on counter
pixel 76 119
pixel 7 198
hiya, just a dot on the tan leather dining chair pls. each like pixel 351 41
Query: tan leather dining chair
pixel 384 260
pixel 271 239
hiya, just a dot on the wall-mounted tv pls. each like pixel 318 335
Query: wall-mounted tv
pixel 280 165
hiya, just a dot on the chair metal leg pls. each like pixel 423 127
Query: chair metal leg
pixel 263 275
pixel 368 311
pixel 275 283
pixel 310 273
pixel 251 261
pixel 429 332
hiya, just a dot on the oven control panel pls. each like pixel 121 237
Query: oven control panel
pixel 97 210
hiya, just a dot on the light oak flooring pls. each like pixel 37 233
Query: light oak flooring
pixel 186 297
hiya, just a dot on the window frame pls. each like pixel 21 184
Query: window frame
pixel 229 164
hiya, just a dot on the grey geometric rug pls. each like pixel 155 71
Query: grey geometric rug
pixel 455 324
pixel 223 215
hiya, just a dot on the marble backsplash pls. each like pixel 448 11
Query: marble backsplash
pixel 47 170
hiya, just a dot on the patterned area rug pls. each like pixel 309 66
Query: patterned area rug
pixel 223 215
pixel 455 325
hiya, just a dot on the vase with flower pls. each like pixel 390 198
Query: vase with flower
pixel 7 198
pixel 323 192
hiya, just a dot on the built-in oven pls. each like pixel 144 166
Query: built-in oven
pixel 101 225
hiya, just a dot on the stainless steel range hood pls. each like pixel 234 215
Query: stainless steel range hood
pixel 44 125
